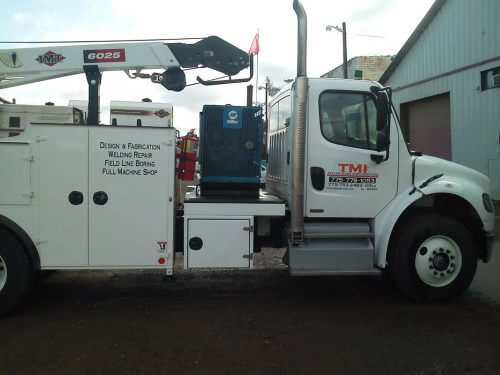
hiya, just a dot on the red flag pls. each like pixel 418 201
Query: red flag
pixel 254 48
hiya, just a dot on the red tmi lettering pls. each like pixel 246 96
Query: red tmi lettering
pixel 353 168
pixel 343 167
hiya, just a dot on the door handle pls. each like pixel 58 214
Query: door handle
pixel 100 198
pixel 75 198
pixel 318 178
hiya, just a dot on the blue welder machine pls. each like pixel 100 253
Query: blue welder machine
pixel 230 141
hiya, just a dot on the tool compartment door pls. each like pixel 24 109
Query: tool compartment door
pixel 131 192
pixel 212 243
pixel 62 194
pixel 15 171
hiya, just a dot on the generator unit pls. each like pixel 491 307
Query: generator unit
pixel 230 141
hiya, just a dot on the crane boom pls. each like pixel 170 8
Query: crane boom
pixel 20 66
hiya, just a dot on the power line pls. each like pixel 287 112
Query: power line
pixel 369 36
pixel 339 29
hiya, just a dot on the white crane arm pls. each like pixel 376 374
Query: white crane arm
pixel 19 66
pixel 25 65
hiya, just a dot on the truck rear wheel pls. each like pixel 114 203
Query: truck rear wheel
pixel 16 273
pixel 433 258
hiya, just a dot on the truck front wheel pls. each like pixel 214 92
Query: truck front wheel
pixel 433 257
pixel 16 273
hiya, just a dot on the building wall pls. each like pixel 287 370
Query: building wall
pixel 338 72
pixel 462 33
pixel 372 66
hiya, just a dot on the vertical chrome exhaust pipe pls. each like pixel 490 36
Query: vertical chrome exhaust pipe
pixel 299 129
pixel 301 38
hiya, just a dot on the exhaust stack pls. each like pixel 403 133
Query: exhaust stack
pixel 301 38
pixel 299 129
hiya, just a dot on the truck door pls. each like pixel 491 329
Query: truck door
pixel 62 186
pixel 342 179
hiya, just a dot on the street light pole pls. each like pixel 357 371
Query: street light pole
pixel 344 38
pixel 343 30
pixel 266 124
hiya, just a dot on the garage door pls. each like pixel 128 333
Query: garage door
pixel 426 124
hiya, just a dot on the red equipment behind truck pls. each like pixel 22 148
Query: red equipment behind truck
pixel 188 156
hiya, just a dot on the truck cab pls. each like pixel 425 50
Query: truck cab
pixel 345 176
pixel 370 203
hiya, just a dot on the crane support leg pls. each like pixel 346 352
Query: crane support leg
pixel 94 77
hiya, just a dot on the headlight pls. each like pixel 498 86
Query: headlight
pixel 488 205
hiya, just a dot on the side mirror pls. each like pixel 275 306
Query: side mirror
pixel 383 122
pixel 287 122
pixel 382 143
pixel 383 110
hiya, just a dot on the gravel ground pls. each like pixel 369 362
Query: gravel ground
pixel 258 322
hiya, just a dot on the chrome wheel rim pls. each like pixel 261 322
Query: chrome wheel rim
pixel 438 261
pixel 3 273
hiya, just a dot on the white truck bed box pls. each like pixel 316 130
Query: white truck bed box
pixel 219 232
pixel 95 196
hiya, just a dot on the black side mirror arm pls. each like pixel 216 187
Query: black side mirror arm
pixel 383 116
pixel 380 158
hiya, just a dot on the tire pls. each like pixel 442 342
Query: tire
pixel 16 272
pixel 432 258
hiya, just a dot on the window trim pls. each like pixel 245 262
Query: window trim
pixel 363 93
pixel 484 78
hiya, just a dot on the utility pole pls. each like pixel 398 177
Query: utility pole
pixel 266 121
pixel 344 38
pixel 267 89
pixel 343 30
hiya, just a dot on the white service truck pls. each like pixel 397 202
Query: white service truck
pixel 344 194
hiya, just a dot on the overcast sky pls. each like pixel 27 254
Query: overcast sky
pixel 236 21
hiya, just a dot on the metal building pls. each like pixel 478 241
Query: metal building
pixel 446 82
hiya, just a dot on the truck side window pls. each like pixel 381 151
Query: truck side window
pixel 273 118
pixel 285 111
pixel 348 119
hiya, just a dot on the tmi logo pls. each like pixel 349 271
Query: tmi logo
pixel 353 168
